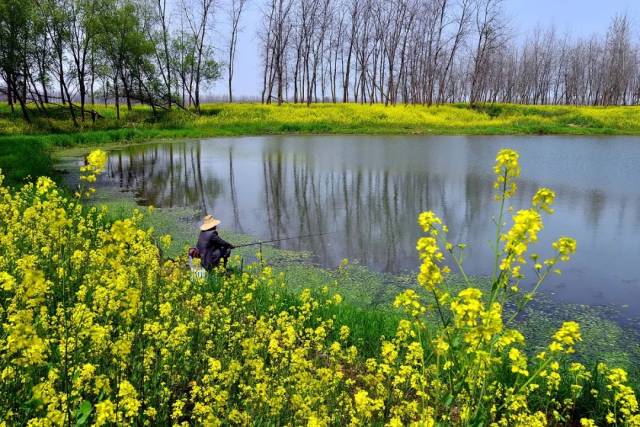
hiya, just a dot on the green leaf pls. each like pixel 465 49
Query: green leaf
pixel 448 401
pixel 32 403
pixel 83 413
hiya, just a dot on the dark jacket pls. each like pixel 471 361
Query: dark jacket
pixel 212 248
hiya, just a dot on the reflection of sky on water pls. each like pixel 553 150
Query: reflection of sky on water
pixel 369 190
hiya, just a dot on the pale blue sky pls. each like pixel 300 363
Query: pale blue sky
pixel 578 17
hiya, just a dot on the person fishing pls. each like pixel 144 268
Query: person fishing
pixel 211 248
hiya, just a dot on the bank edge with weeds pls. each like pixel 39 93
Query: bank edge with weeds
pixel 52 130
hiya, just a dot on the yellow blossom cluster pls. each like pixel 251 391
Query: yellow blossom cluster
pixel 622 399
pixel 431 274
pixel 95 164
pixel 543 199
pixel 566 338
pixel 507 170
pixel 527 223
pixel 97 328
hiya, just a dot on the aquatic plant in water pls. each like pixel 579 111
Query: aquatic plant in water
pixel 97 328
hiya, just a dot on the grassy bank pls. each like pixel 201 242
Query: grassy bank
pixel 25 147
pixel 241 119
pixel 20 161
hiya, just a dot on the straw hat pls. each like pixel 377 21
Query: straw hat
pixel 209 222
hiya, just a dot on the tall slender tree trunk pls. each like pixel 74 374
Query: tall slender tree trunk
pixel 93 79
pixel 116 95
pixel 20 94
pixel 61 75
pixel 127 91
pixel 10 95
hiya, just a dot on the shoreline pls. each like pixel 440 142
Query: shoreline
pixel 21 143
pixel 245 119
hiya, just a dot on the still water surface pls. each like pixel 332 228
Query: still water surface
pixel 368 190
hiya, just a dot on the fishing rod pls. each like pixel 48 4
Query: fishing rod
pixel 260 242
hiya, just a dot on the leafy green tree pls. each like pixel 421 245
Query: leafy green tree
pixel 16 26
pixel 123 44
pixel 186 66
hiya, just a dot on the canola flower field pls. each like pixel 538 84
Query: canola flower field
pixel 223 119
pixel 99 328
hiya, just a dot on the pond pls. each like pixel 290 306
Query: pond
pixel 366 191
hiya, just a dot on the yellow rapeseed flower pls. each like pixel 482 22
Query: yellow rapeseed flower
pixel 507 169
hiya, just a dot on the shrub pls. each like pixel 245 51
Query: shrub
pixel 22 158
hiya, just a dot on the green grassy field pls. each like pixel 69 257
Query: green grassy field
pixel 242 119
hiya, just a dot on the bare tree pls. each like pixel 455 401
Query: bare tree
pixel 490 35
pixel 277 38
pixel 198 14
pixel 267 57
pixel 235 12
pixel 81 31
pixel 163 56
pixel 619 60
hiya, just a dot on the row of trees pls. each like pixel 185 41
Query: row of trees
pixel 437 51
pixel 77 51
pixel 161 53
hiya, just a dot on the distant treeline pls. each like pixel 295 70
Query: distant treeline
pixel 438 51
pixel 166 53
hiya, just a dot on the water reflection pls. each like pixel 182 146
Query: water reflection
pixel 169 175
pixel 369 190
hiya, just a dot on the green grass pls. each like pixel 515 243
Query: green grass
pixel 20 161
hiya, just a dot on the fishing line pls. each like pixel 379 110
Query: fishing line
pixel 260 242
